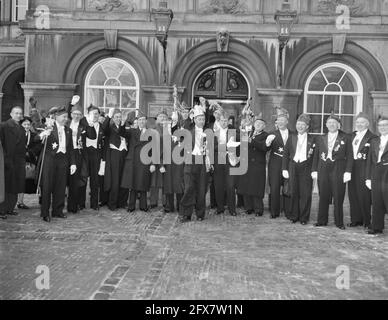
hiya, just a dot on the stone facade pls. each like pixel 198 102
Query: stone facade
pixel 59 55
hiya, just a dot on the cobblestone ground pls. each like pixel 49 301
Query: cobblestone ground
pixel 152 256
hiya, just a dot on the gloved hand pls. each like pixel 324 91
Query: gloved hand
pixel 347 177
pixel 162 170
pixel 270 139
pixel 286 174
pixel 45 134
pixel 314 175
pixel 73 170
pixel 152 168
pixel 368 184
pixel 101 173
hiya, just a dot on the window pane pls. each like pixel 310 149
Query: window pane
pixel 96 97
pixel 333 88
pixel 334 74
pixel 113 68
pixel 127 78
pixel 113 83
pixel 112 98
pixel 129 99
pixel 316 124
pixel 347 124
pixel 349 105
pixel 318 83
pixel 332 103
pixel 98 77
pixel 314 104
pixel 348 83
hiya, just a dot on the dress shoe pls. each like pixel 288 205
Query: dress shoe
pixel 374 232
pixel 367 226
pixel 294 221
pixel 145 210
pixel 200 219
pixel 3 216
pixel 341 227
pixel 12 213
pixel 249 212
pixel 274 217
pixel 303 223
pixel 233 214
pixel 47 219
pixel 82 208
pixel 355 225
pixel 220 212
pixel 153 207
pixel 259 214
pixel 320 225
pixel 130 210
pixel 184 219
pixel 22 206
pixel 61 216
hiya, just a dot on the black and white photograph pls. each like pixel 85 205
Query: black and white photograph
pixel 212 151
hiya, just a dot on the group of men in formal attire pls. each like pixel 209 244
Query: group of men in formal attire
pixel 109 154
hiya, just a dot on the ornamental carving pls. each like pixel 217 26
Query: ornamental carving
pixel 356 7
pixel 111 5
pixel 224 6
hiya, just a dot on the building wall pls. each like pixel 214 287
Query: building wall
pixel 59 56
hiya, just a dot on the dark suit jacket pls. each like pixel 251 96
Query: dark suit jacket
pixel 363 150
pixel 277 147
pixel 373 157
pixel 290 150
pixel 13 139
pixel 342 152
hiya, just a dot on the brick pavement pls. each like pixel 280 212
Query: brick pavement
pixel 152 256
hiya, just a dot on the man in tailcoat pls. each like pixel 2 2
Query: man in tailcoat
pixel 13 139
pixel 377 177
pixel 136 174
pixel 297 164
pixel 359 195
pixel 277 141
pixel 81 130
pixel 252 184
pixel 332 166
pixel 56 164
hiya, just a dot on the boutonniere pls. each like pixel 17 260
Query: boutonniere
pixel 359 156
pixel 338 147
pixel 364 156
pixel 281 149
pixel 83 132
pixel 311 152
pixel 323 156
pixel 55 146
pixel 367 145
pixel 342 142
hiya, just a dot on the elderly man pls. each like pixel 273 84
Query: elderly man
pixel 277 141
pixel 332 166
pixel 297 162
pixel 195 173
pixel 13 139
pixel 377 177
pixel 359 194
pixel 58 161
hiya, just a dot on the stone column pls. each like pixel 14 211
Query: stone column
pixel 1 106
pixel 285 98
pixel 48 95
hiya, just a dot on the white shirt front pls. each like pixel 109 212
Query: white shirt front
pixel 93 143
pixel 123 145
pixel 198 146
pixel 61 138
pixel 357 142
pixel 383 145
pixel 74 127
pixel 301 149
pixel 332 138
pixel 285 134
pixel 223 136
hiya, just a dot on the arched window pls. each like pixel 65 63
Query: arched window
pixel 112 83
pixel 333 87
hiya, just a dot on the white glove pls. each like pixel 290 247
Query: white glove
pixel 368 184
pixel 270 139
pixel 73 169
pixel 286 174
pixel 314 175
pixel 45 134
pixel 162 170
pixel 111 111
pixel 175 139
pixel 347 177
pixel 152 169
pixel 50 122
pixel 101 173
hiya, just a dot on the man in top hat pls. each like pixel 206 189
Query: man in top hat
pixel 94 148
pixel 195 173
pixel 277 141
pixel 13 139
pixel 332 166
pixel 297 164
pixel 252 184
pixel 157 170
pixel 81 131
pixel 359 195
pixel 377 177
pixel 56 163
pixel 136 174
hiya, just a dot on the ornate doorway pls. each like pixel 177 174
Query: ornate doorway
pixel 225 85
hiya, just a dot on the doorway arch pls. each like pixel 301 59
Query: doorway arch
pixel 13 94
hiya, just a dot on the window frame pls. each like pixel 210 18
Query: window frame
pixel 15 6
pixel 87 85
pixel 359 93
